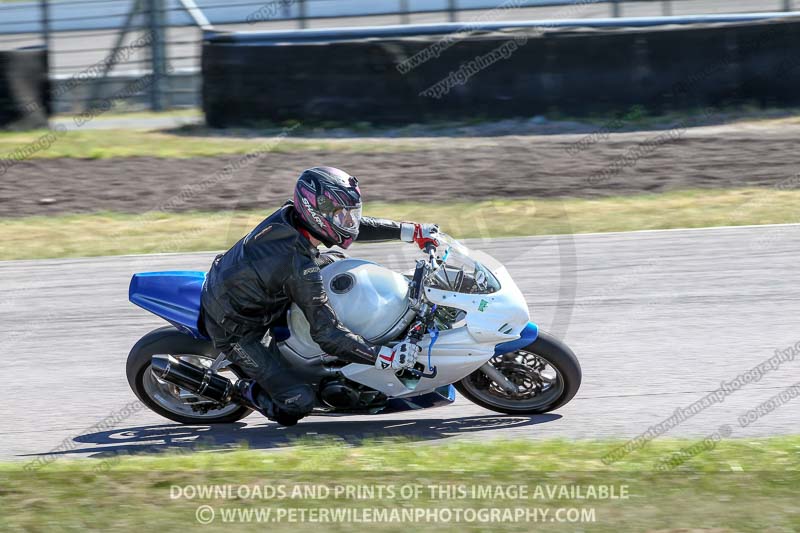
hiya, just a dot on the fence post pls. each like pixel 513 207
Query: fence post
pixel 301 14
pixel 666 8
pixel 615 11
pixel 404 12
pixel 156 25
pixel 111 60
pixel 787 5
pixel 45 10
pixel 452 11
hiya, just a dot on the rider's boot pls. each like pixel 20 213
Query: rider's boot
pixel 252 395
pixel 285 419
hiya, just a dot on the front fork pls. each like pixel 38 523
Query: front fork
pixel 527 336
pixel 498 377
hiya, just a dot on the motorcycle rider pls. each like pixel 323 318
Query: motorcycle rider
pixel 249 288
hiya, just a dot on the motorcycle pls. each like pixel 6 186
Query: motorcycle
pixel 459 305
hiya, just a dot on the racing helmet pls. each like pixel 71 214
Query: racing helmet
pixel 328 202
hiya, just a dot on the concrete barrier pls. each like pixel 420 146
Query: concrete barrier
pixel 255 77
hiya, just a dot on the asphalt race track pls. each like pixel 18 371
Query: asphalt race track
pixel 658 320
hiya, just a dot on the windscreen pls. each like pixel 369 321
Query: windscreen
pixel 461 271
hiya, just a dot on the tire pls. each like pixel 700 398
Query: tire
pixel 168 340
pixel 556 354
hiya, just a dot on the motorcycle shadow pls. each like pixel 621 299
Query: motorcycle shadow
pixel 175 438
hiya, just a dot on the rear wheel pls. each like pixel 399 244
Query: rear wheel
pixel 169 400
pixel 546 375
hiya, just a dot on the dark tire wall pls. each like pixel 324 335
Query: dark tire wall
pixel 248 78
pixel 24 88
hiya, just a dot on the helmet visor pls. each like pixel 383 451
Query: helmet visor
pixel 347 218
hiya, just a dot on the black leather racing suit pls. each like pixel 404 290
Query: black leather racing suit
pixel 249 289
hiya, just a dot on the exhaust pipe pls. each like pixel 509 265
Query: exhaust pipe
pixel 193 378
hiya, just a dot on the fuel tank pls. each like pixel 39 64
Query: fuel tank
pixel 368 299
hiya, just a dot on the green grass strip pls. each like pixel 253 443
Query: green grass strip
pixel 735 485
pixel 158 232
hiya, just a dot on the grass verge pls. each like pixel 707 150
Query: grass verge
pixel 197 140
pixel 107 144
pixel 736 485
pixel 158 232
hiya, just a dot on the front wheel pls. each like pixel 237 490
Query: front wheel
pixel 546 375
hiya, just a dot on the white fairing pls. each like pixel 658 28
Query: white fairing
pixel 373 302
pixel 460 351
pixel 377 307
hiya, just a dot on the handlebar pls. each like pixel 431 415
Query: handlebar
pixel 430 249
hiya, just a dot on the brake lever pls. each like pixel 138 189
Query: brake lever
pixel 431 249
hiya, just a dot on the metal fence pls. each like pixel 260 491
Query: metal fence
pixel 145 54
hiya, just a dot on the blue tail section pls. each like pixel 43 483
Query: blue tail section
pixel 174 296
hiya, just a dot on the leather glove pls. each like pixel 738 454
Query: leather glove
pixel 422 234
pixel 403 355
